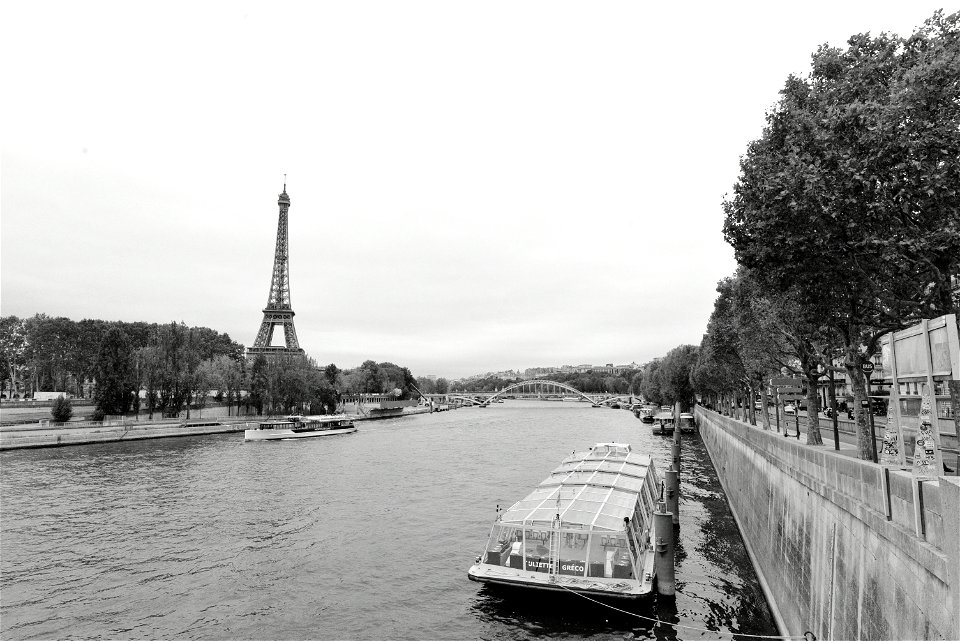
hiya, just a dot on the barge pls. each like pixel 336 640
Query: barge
pixel 292 427
pixel 587 528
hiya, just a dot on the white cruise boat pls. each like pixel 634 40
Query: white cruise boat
pixel 301 427
pixel 586 528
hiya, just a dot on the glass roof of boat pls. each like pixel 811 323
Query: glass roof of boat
pixel 596 488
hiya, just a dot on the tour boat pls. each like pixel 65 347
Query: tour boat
pixel 301 427
pixel 663 423
pixel 587 528
pixel 645 414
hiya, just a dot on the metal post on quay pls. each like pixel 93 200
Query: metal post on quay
pixel 663 560
pixel 672 478
pixel 675 448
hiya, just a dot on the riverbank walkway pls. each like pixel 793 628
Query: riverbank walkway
pixel 32 435
pixel 848 440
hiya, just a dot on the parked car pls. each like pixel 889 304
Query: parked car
pixel 790 409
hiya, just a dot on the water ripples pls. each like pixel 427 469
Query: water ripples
pixel 366 536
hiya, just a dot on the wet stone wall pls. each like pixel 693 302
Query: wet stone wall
pixel 845 549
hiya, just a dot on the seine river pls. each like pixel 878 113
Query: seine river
pixel 362 536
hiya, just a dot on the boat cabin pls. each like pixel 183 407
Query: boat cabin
pixel 645 414
pixel 663 423
pixel 592 518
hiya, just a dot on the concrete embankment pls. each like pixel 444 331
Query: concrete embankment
pixel 844 548
pixel 35 435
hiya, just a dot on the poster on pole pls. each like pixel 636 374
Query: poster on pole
pixel 892 453
pixel 926 453
pixel 918 359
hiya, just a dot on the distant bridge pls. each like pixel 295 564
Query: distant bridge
pixel 538 388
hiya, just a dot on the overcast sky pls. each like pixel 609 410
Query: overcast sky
pixel 475 186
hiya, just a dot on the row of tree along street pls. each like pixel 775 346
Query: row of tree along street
pixel 845 221
pixel 166 369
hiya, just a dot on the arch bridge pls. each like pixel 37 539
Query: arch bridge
pixel 541 384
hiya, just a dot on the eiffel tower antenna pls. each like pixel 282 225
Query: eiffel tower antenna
pixel 278 311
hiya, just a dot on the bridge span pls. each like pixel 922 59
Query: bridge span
pixel 539 389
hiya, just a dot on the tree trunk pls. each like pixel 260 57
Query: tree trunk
pixel 764 414
pixel 813 412
pixel 857 383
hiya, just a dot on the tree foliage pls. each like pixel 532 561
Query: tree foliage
pixel 62 410
pixel 288 384
pixel 114 372
pixel 850 201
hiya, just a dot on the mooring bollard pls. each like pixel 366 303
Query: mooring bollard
pixel 672 492
pixel 663 561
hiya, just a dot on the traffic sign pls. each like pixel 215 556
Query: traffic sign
pixel 789 390
pixel 867 367
pixel 797 382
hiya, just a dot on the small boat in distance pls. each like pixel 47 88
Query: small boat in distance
pixel 645 414
pixel 301 427
pixel 586 529
pixel 663 423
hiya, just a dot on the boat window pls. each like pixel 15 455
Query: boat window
pixel 573 553
pixel 609 556
pixel 504 544
pixel 537 550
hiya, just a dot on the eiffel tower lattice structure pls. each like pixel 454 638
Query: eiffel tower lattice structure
pixel 278 311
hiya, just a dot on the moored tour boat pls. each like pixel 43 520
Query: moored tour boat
pixel 663 423
pixel 687 423
pixel 586 528
pixel 301 427
pixel 645 414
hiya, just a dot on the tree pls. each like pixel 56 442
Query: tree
pixel 62 410
pixel 115 387
pixel 850 198
pixel 651 386
pixel 13 349
pixel 674 374
pixel 225 375
pixel 150 362
pixel 636 383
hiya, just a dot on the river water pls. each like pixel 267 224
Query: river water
pixel 362 536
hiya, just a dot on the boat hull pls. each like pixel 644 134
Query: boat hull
pixel 625 590
pixel 283 435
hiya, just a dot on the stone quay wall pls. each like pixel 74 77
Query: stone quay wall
pixel 844 548
pixel 14 437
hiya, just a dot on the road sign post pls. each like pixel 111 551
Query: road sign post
pixel 788 388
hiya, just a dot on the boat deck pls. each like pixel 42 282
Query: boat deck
pixel 589 489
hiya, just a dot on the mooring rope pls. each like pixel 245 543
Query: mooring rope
pixel 807 636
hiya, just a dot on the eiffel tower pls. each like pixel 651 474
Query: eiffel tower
pixel 278 310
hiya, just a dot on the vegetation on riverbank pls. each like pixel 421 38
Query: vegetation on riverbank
pixel 166 369
pixel 845 220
